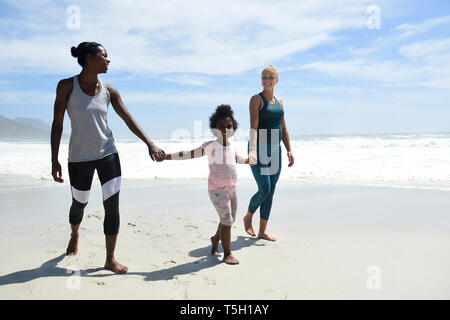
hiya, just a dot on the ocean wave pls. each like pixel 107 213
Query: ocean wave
pixel 415 160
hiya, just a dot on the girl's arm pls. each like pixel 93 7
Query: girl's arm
pixel 241 160
pixel 184 155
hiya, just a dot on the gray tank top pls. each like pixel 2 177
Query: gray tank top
pixel 91 138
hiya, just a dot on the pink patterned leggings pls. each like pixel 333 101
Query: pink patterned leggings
pixel 225 202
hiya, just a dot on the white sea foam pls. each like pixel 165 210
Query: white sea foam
pixel 410 160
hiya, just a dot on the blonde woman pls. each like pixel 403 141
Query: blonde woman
pixel 267 130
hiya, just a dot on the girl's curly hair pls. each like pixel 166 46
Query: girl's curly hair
pixel 222 111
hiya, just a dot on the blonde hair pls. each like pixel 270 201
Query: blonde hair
pixel 272 69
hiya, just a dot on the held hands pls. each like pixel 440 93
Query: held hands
pixel 156 153
pixel 57 172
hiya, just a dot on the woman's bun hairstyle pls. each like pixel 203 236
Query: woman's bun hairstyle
pixel 74 52
pixel 83 49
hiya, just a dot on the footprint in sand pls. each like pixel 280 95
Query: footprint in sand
pixel 96 214
pixel 209 281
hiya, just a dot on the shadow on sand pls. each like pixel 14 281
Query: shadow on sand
pixel 205 261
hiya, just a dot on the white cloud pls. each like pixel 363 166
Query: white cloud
pixel 427 62
pixel 397 36
pixel 26 97
pixel 210 37
pixel 187 79
pixel 374 99
pixel 182 99
pixel 391 72
pixel 388 73
pixel 409 29
pixel 334 89
pixel 426 48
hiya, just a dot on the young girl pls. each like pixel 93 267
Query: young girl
pixel 222 158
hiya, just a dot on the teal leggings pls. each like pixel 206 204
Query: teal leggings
pixel 266 176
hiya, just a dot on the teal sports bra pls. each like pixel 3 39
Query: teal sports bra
pixel 270 116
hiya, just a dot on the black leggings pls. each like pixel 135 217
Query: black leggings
pixel 109 173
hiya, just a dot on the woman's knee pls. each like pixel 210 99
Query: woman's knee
pixel 265 189
pixel 76 212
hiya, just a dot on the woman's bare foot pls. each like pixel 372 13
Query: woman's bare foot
pixel 215 244
pixel 248 226
pixel 266 236
pixel 229 259
pixel 114 266
pixel 72 248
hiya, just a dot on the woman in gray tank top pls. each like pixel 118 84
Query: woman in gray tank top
pixel 86 99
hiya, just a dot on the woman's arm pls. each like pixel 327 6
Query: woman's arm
pixel 255 103
pixel 63 91
pixel 184 155
pixel 286 140
pixel 122 111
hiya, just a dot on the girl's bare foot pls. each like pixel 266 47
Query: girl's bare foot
pixel 266 236
pixel 248 226
pixel 229 259
pixel 114 266
pixel 72 248
pixel 215 244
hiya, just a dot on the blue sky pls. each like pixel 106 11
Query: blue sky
pixel 174 61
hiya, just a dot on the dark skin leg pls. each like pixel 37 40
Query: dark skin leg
pixel 72 248
pixel 225 237
pixel 223 234
pixel 215 241
pixel 111 263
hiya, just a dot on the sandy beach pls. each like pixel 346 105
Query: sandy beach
pixel 335 242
